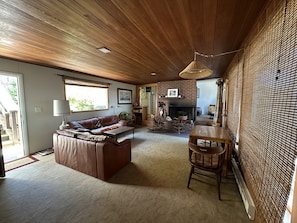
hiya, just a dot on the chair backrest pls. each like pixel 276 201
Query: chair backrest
pixel 207 158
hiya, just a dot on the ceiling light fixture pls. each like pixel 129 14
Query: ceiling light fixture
pixel 195 70
pixel 153 74
pixel 104 50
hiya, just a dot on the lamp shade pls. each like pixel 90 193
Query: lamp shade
pixel 195 70
pixel 61 107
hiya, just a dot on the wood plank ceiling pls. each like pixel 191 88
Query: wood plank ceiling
pixel 144 36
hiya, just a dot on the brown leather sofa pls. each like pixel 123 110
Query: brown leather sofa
pixel 95 155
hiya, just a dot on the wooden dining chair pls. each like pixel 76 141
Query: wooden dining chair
pixel 210 159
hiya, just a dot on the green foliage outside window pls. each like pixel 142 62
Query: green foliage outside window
pixel 12 89
pixel 81 105
pixel 86 98
pixel 10 84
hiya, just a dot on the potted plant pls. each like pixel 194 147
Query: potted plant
pixel 124 118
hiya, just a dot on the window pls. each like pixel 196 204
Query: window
pixel 86 95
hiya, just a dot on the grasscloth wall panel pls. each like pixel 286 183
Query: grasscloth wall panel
pixel 235 92
pixel 268 118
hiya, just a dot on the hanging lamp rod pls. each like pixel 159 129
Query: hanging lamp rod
pixel 216 55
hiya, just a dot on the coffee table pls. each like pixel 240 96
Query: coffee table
pixel 119 131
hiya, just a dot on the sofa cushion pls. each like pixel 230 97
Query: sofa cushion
pixel 90 137
pixel 83 130
pixel 109 120
pixel 85 124
pixel 68 132
pixel 91 123
pixel 75 125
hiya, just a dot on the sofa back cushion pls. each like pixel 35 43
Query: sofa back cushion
pixel 85 124
pixel 75 125
pixel 109 120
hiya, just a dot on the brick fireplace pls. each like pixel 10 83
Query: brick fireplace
pixel 185 104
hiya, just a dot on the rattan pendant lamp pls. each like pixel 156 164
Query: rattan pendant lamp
pixel 195 70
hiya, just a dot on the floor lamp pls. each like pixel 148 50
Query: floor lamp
pixel 61 108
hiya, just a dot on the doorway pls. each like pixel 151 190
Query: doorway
pixel 206 95
pixel 12 117
pixel 146 98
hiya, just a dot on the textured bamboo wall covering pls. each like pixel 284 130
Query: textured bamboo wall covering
pixel 264 78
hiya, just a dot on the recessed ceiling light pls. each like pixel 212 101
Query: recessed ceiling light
pixel 153 74
pixel 104 50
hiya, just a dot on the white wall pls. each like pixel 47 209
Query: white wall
pixel 208 94
pixel 41 86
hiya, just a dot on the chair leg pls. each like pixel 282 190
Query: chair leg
pixel 190 176
pixel 219 179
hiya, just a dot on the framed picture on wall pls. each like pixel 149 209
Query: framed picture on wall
pixel 124 96
pixel 172 93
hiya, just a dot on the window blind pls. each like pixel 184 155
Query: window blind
pixel 268 130
pixel 82 82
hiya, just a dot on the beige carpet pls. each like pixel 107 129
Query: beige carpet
pixel 150 189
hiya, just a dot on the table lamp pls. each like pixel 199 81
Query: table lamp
pixel 61 108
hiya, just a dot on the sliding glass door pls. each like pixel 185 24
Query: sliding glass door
pixel 12 117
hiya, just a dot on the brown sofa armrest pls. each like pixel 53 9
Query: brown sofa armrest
pixel 111 157
pixel 65 150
